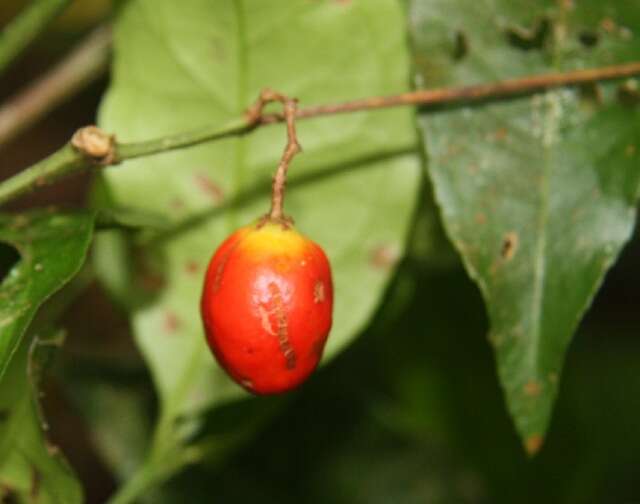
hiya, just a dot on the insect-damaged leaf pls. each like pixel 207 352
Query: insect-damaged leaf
pixel 538 193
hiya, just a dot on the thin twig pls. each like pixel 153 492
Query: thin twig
pixel 26 27
pixel 88 61
pixel 466 94
pixel 70 159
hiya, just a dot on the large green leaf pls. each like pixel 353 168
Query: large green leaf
pixel 181 65
pixel 538 194
pixel 52 248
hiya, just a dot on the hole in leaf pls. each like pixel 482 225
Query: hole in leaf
pixel 460 45
pixel 589 38
pixel 529 38
pixel 509 245
pixel 9 257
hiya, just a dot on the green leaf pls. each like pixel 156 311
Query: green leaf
pixel 31 470
pixel 538 194
pixel 52 248
pixel 179 66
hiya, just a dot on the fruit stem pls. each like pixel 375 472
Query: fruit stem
pixel 254 115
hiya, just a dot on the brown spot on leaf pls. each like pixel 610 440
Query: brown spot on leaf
pixel 509 245
pixel 532 388
pixel 318 292
pixel 177 204
pixel 209 187
pixel 384 257
pixel 192 267
pixel 147 275
pixel 533 444
pixel 608 25
pixel 150 281
pixel 480 218
pixel 498 135
pixel 171 322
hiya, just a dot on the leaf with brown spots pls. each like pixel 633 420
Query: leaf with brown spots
pixel 551 198
pixel 353 190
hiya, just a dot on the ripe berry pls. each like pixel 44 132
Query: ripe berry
pixel 267 305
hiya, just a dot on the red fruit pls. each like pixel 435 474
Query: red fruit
pixel 266 306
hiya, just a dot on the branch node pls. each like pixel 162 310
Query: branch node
pixel 96 145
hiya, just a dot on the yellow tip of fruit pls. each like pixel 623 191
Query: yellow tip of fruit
pixel 274 239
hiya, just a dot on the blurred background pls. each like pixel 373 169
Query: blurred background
pixel 411 413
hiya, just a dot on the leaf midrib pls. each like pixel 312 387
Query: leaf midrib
pixel 537 298
pixel 540 258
